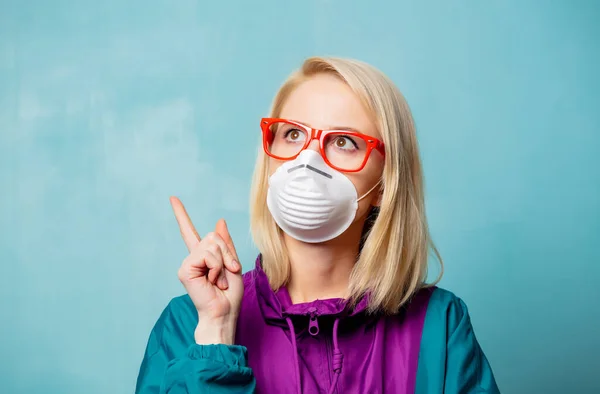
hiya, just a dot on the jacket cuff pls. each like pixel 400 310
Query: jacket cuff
pixel 227 354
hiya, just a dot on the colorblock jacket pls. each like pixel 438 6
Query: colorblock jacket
pixel 319 347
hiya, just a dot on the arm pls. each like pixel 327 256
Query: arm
pixel 174 364
pixel 450 359
pixel 467 368
pixel 191 348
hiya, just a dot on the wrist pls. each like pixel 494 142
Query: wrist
pixel 215 332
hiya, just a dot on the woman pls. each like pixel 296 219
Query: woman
pixel 337 302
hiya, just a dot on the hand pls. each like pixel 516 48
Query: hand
pixel 211 274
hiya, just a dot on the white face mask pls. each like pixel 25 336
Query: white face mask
pixel 311 201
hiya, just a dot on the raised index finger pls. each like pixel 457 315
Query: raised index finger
pixel 188 232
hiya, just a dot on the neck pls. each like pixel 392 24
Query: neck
pixel 322 271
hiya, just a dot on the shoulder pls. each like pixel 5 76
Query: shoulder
pixel 447 319
pixel 181 305
pixel 436 302
pixel 442 299
pixel 434 311
pixel 173 331
pixel 445 309
pixel 180 314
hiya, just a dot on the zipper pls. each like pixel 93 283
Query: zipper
pixel 313 324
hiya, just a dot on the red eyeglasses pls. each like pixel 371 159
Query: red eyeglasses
pixel 346 151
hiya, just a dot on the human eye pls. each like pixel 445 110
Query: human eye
pixel 345 143
pixel 294 134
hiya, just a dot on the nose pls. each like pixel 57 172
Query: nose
pixel 313 145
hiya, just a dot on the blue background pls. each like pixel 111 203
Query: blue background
pixel 109 107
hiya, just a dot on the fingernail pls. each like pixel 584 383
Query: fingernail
pixel 235 264
pixel 224 283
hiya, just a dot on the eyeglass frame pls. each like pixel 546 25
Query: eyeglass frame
pixel 319 134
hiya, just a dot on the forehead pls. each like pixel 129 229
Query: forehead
pixel 324 101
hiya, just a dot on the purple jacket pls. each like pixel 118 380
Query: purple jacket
pixel 320 347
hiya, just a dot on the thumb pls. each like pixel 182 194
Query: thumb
pixel 223 232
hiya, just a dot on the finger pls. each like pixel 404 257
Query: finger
pixel 193 266
pixel 229 259
pixel 222 281
pixel 186 227
pixel 214 262
pixel 222 230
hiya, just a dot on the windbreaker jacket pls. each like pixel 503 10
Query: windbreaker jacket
pixel 319 347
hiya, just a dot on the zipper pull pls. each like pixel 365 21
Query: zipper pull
pixel 313 324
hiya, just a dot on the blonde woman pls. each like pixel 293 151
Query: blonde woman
pixel 338 300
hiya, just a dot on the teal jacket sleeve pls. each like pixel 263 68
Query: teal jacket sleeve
pixel 174 364
pixel 451 360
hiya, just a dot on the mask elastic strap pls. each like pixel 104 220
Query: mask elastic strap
pixel 370 190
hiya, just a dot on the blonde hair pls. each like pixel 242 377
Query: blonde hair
pixel 392 264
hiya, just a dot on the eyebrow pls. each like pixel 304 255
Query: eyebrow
pixel 341 128
pixel 344 128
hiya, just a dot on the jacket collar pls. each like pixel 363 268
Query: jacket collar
pixel 277 305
